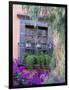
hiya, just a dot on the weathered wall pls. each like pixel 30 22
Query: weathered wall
pixel 17 9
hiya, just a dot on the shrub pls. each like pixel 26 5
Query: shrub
pixel 42 60
pixel 39 59
pixel 47 60
pixel 30 61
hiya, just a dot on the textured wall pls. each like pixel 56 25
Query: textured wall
pixel 17 9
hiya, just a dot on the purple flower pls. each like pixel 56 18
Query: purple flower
pixel 23 75
pixel 18 62
pixel 37 80
pixel 15 68
pixel 21 68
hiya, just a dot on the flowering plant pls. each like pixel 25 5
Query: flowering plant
pixel 23 76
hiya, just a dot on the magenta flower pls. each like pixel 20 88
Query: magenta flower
pixel 20 77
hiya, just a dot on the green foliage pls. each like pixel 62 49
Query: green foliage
pixel 52 64
pixel 47 60
pixel 62 71
pixel 32 10
pixel 30 61
pixel 40 59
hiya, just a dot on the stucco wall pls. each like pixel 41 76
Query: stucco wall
pixel 17 9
